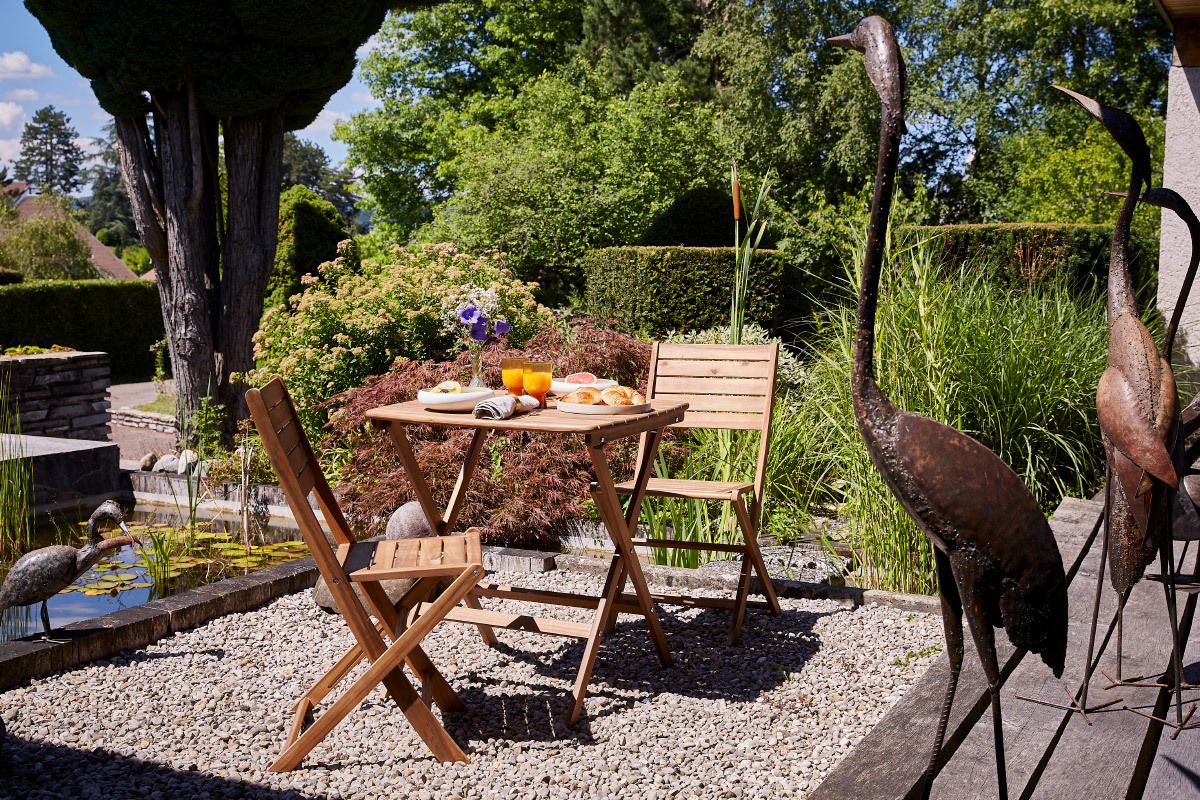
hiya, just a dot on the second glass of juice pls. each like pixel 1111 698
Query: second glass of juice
pixel 537 380
pixel 513 372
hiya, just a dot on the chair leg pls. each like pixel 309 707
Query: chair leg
pixel 739 602
pixel 750 535
pixel 485 631
pixel 385 669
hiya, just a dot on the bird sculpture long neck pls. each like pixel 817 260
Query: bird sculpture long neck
pixel 1184 291
pixel 862 375
pixel 1121 298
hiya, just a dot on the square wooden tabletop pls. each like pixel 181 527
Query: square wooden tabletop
pixel 548 420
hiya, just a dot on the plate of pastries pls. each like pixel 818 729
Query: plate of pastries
pixel 610 400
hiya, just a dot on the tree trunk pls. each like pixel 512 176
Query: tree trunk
pixel 254 165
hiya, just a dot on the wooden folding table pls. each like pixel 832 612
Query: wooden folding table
pixel 597 432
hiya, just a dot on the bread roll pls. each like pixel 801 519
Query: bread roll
pixel 617 396
pixel 638 398
pixel 584 396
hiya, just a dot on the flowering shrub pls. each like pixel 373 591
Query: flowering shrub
pixel 526 486
pixel 352 322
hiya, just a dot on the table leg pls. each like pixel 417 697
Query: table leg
pixel 648 452
pixel 599 619
pixel 609 506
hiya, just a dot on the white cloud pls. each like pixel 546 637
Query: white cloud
pixel 19 65
pixel 325 121
pixel 9 150
pixel 11 115
pixel 366 98
pixel 25 95
pixel 367 46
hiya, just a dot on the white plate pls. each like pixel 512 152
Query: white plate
pixel 456 401
pixel 579 408
pixel 562 387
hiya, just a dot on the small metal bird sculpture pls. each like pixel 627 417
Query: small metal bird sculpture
pixel 1001 569
pixel 1138 409
pixel 39 575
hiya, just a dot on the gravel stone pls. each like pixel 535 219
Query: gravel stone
pixel 203 713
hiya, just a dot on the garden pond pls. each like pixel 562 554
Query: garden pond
pixel 166 558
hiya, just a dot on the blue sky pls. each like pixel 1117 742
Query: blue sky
pixel 32 76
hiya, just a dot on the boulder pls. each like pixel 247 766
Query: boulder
pixel 168 463
pixel 186 459
pixel 406 522
pixel 148 461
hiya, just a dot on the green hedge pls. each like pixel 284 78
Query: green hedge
pixel 653 290
pixel 8 276
pixel 1030 251
pixel 122 318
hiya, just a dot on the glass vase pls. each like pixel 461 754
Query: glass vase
pixel 476 354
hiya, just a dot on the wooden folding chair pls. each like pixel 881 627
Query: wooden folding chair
pixel 728 387
pixel 366 563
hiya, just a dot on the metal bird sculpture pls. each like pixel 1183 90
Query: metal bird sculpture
pixel 1001 569
pixel 1138 409
pixel 39 575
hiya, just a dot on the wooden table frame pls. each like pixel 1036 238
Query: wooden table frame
pixel 597 431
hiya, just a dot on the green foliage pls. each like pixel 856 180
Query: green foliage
pixel 46 245
pixel 137 258
pixel 16 480
pixel 306 164
pixel 573 167
pixel 109 210
pixel 10 276
pixel 1078 254
pixel 121 318
pixel 1014 366
pixel 242 57
pixel 350 323
pixel 49 158
pixel 309 232
pixel 659 289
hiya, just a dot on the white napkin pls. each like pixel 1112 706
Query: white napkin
pixel 504 406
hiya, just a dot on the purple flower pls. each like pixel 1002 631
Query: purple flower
pixel 469 315
pixel 479 331
pixel 501 326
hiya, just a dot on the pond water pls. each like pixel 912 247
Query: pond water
pixel 165 559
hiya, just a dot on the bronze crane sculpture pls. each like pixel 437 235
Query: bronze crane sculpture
pixel 1138 409
pixel 1001 569
pixel 39 575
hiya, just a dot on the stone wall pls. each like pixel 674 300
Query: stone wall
pixel 60 394
pixel 148 420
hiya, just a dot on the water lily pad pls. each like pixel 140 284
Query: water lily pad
pixel 123 577
pixel 141 585
pixel 94 592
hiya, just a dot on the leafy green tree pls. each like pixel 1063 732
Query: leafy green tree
pixel 576 167
pixel 49 158
pixel 182 80
pixel 310 229
pixel 109 210
pixel 306 164
pixel 46 245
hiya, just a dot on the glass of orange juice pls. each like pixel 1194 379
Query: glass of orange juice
pixel 537 380
pixel 513 372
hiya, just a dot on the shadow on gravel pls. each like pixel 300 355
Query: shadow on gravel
pixel 50 771
pixel 628 673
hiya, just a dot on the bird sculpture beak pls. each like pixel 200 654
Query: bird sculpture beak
pixel 1088 103
pixel 845 40
pixel 125 529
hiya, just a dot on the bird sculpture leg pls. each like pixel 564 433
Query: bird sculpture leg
pixel 985 644
pixel 1166 559
pixel 952 623
pixel 1088 666
pixel 45 623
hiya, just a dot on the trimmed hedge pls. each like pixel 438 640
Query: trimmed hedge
pixel 121 318
pixel 653 290
pixel 1030 251
pixel 9 276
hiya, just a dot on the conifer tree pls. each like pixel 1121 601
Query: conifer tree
pixel 50 159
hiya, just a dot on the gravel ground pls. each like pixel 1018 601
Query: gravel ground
pixel 807 564
pixel 203 713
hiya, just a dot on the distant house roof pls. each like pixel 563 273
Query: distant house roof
pixel 15 189
pixel 30 205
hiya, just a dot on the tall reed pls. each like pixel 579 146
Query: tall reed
pixel 1014 366
pixel 16 480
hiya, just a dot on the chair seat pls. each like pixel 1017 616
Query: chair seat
pixel 410 558
pixel 696 490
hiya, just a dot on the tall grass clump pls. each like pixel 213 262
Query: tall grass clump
pixel 1015 366
pixel 16 481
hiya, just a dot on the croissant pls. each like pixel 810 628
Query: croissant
pixel 584 396
pixel 617 396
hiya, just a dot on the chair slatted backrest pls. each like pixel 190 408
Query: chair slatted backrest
pixel 726 386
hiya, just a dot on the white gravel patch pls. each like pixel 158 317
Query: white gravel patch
pixel 204 713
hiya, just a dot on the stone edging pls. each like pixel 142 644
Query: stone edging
pixel 150 420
